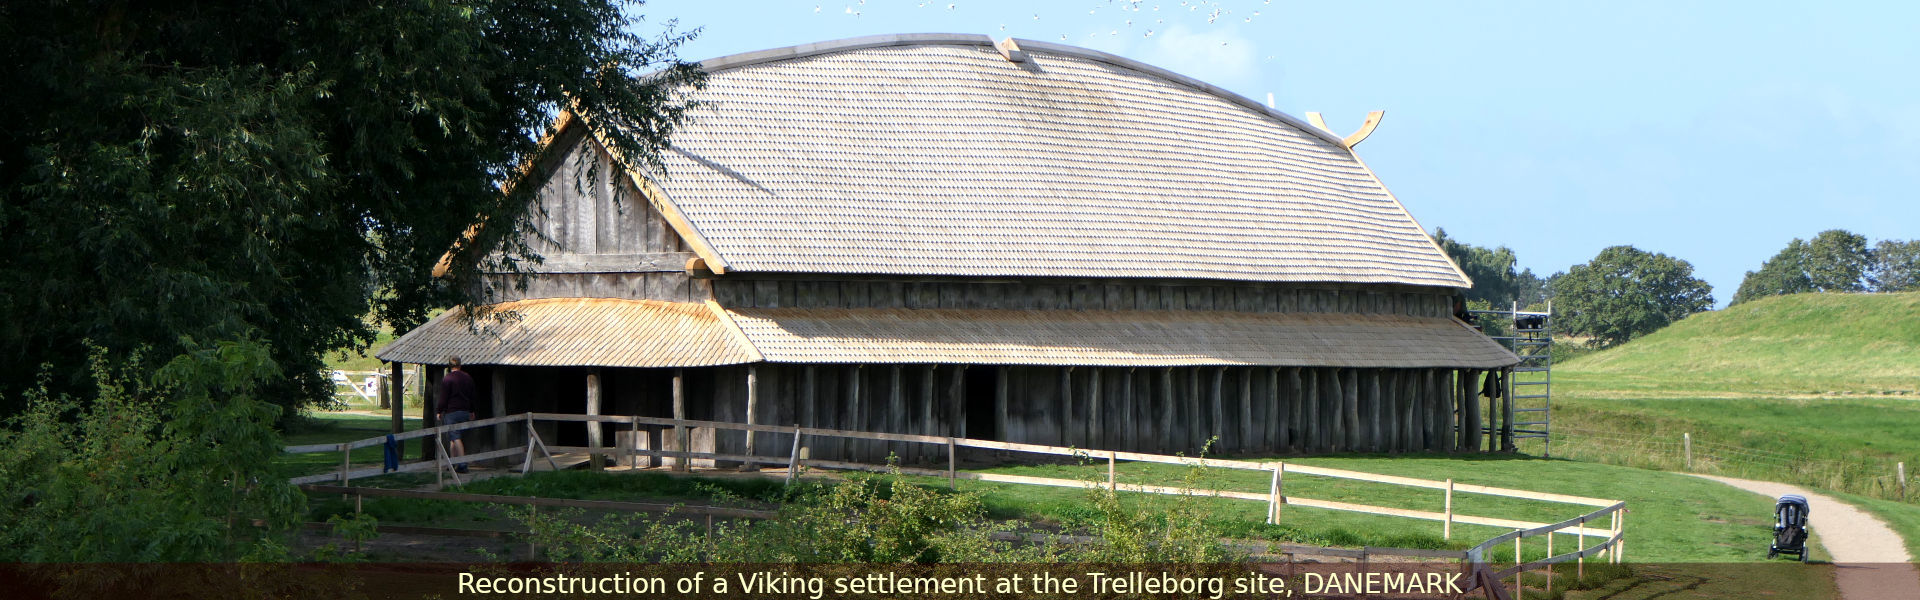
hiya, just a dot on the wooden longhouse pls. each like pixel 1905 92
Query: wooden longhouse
pixel 1024 241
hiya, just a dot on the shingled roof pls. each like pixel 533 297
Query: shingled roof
pixel 608 332
pixel 937 155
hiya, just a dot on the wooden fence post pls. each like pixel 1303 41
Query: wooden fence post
pixel 1550 566
pixel 1518 588
pixel 1580 560
pixel 1274 499
pixel 1620 553
pixel 952 475
pixel 1900 472
pixel 1446 531
pixel 1112 481
pixel 346 464
pixel 793 458
pixel 1686 443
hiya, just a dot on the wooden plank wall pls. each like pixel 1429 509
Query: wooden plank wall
pixel 595 220
pixel 1237 410
pixel 1079 295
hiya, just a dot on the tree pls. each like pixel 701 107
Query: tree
pixel 1490 269
pixel 1896 266
pixel 1835 261
pixel 277 171
pixel 1625 292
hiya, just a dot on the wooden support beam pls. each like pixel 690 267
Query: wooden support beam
pixel 397 396
pixel 1064 424
pixel 851 449
pixel 1165 427
pixel 1216 413
pixel 929 420
pixel 896 416
pixel 1295 432
pixel 1350 403
pixel 1127 411
pixel 956 397
pixel 593 408
pixel 753 410
pixel 1096 433
pixel 430 404
pixel 1376 412
pixel 1195 422
pixel 1506 407
pixel 1311 426
pixel 1000 421
pixel 503 431
pixel 1248 443
pixel 681 437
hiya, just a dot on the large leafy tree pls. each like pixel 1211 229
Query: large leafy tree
pixel 1626 292
pixel 1834 261
pixel 173 173
pixel 1495 282
pixel 1896 266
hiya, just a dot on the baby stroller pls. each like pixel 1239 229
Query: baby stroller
pixel 1790 527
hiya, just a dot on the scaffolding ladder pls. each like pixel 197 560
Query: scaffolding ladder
pixel 1531 386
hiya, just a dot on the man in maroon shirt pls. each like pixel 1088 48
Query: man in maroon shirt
pixel 455 402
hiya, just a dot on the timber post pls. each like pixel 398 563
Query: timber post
pixel 593 427
pixel 396 387
pixel 502 431
pixel 681 437
pixel 753 407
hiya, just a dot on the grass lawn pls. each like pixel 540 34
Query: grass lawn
pixel 1672 517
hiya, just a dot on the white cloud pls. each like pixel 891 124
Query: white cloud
pixel 1219 56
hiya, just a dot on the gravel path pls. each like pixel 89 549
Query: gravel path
pixel 1871 562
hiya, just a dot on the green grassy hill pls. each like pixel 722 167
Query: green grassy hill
pixel 1804 344
pixel 1814 389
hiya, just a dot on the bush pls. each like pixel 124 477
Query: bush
pixel 175 468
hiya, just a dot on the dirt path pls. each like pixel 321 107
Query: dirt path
pixel 1870 561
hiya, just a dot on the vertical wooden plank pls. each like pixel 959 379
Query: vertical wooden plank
pixel 1196 422
pixel 1066 421
pixel 1096 437
pixel 1246 418
pixel 1350 401
pixel 1370 409
pixel 1311 427
pixel 956 401
pixel 896 412
pixel 1000 420
pixel 1216 413
pixel 929 420
pixel 855 450
pixel 1164 429
pixel 1276 412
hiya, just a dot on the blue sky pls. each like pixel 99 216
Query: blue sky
pixel 1714 132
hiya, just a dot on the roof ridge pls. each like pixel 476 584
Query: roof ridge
pixel 798 51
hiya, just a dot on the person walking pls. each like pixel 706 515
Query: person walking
pixel 455 406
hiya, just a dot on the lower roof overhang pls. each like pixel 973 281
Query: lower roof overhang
pixel 647 333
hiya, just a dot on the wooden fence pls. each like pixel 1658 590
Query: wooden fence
pixel 1610 541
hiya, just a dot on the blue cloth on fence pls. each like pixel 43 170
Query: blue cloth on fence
pixel 392 456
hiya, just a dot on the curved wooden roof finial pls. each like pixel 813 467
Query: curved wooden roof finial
pixel 1366 129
